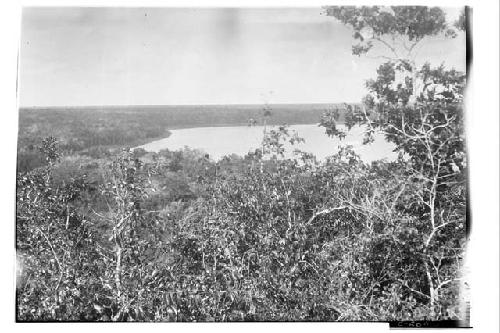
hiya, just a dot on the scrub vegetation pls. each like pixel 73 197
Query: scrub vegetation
pixel 176 236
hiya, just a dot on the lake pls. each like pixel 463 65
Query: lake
pixel 221 141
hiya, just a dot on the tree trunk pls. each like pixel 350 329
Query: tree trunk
pixel 262 148
pixel 432 291
pixel 413 97
pixel 118 281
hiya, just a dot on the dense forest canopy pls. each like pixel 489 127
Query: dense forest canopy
pixel 176 236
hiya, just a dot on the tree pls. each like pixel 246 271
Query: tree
pixel 266 114
pixel 426 127
pixel 133 242
pixel 394 34
pixel 56 247
pixel 461 23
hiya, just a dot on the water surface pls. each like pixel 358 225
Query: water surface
pixel 221 141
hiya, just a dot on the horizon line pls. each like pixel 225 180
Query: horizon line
pixel 149 105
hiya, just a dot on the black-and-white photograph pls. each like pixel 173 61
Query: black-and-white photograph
pixel 243 164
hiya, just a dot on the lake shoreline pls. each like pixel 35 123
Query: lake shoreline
pixel 220 141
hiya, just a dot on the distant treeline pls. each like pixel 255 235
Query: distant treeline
pixel 94 130
pixel 178 116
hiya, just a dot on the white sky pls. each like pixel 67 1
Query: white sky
pixel 134 56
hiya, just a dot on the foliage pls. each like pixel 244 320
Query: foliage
pixel 271 236
pixel 461 23
pixel 395 34
pixel 56 251
pixel 298 240
pixel 426 125
pixel 378 25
